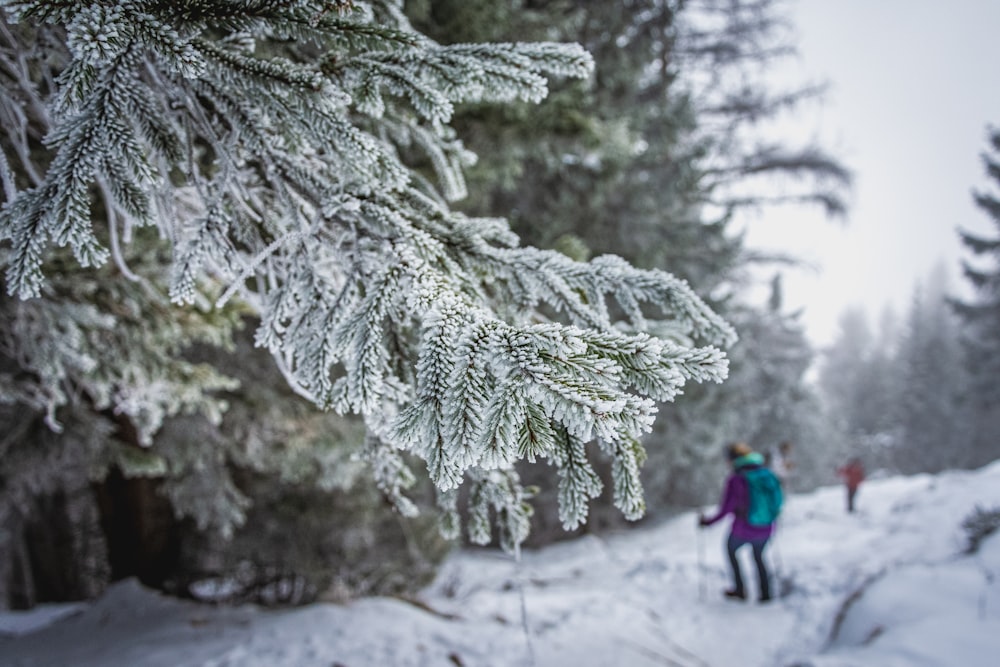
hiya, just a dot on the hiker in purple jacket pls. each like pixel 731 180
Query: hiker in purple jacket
pixel 736 501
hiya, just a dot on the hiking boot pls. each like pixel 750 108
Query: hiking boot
pixel 764 599
pixel 735 595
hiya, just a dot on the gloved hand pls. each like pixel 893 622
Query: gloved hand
pixel 702 521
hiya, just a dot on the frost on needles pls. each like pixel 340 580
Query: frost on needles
pixel 264 143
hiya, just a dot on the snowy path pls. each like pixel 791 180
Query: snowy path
pixel 640 598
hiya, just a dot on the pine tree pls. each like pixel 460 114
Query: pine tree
pixel 650 156
pixel 88 374
pixel 610 163
pixel 932 382
pixel 981 315
pixel 860 381
pixel 765 400
pixel 270 145
pixel 648 160
pixel 722 49
pixel 774 356
pixel 847 374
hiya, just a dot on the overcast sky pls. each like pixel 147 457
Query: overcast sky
pixel 913 86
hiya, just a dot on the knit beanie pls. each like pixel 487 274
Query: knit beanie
pixel 738 449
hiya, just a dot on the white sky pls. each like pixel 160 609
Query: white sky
pixel 913 86
pixel 646 598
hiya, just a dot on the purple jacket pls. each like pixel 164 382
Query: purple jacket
pixel 735 501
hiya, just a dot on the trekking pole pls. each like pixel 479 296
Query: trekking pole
pixel 701 561
pixel 524 608
pixel 776 557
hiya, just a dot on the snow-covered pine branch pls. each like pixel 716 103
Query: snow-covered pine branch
pixel 264 141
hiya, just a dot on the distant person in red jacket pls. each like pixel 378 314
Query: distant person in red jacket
pixel 853 474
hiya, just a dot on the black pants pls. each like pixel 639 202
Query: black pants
pixel 732 545
pixel 851 492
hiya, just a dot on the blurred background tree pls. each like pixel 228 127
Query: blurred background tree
pixel 980 316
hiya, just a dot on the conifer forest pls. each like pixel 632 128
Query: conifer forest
pixel 290 283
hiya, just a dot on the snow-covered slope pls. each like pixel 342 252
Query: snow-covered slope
pixel 883 587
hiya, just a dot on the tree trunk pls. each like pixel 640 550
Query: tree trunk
pixel 140 529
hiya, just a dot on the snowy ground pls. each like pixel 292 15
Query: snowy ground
pixel 884 587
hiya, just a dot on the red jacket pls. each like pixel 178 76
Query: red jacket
pixel 852 473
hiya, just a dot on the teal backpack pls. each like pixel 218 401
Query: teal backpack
pixel 764 490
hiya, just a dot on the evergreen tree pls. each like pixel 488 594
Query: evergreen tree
pixel 765 401
pixel 932 382
pixel 277 150
pixel 981 316
pixel 610 161
pixel 631 160
pixel 645 160
pixel 784 405
pixel 721 52
pixel 88 374
pixel 860 380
